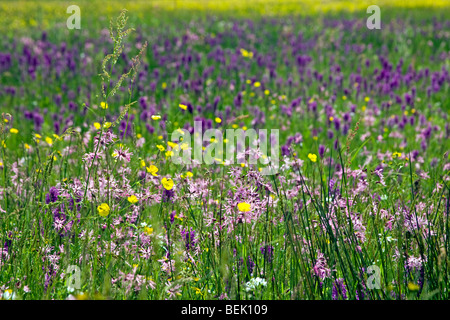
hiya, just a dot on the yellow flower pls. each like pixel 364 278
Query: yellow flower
pixel 344 97
pixel 257 84
pixel 363 108
pixel 266 92
pixel 244 207
pixel 169 153
pixel 104 105
pixel 27 146
pixel 413 286
pixel 246 54
pixel 312 157
pixel 180 132
pixel 6 120
pixel 197 291
pixel 396 154
pixel 142 163
pixel 173 145
pixel 97 125
pixel 106 125
pixel 164 85
pixel 184 146
pixel 187 175
pixel 331 118
pixel 156 117
pixel 218 120
pixel 37 136
pixel 133 199
pixel 182 106
pixel 167 183
pixel 160 147
pixel 148 230
pixel 103 209
pixel 49 140
pixel 14 131
pixel 153 170
pixel 366 99
pixel 139 136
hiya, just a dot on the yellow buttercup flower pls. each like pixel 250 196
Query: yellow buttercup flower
pixel 148 231
pixel 184 146
pixel 169 153
pixel 97 125
pixel 218 120
pixel 396 155
pixel 14 131
pixel 182 106
pixel 187 175
pixel 167 183
pixel 312 157
pixel 103 209
pixel 133 199
pixel 244 207
pixel 106 125
pixel 49 140
pixel 156 117
pixel 152 170
pixel 27 146
pixel 164 85
pixel 413 286
pixel 173 145
pixel 104 105
pixel 160 147
pixel 266 92
pixel 257 84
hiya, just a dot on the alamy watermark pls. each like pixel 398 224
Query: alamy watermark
pixel 74 21
pixel 374 21
pixel 208 147
pixel 374 280
pixel 74 278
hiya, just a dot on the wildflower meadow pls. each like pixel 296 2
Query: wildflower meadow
pixel 224 150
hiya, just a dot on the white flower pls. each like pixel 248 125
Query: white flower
pixel 255 283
